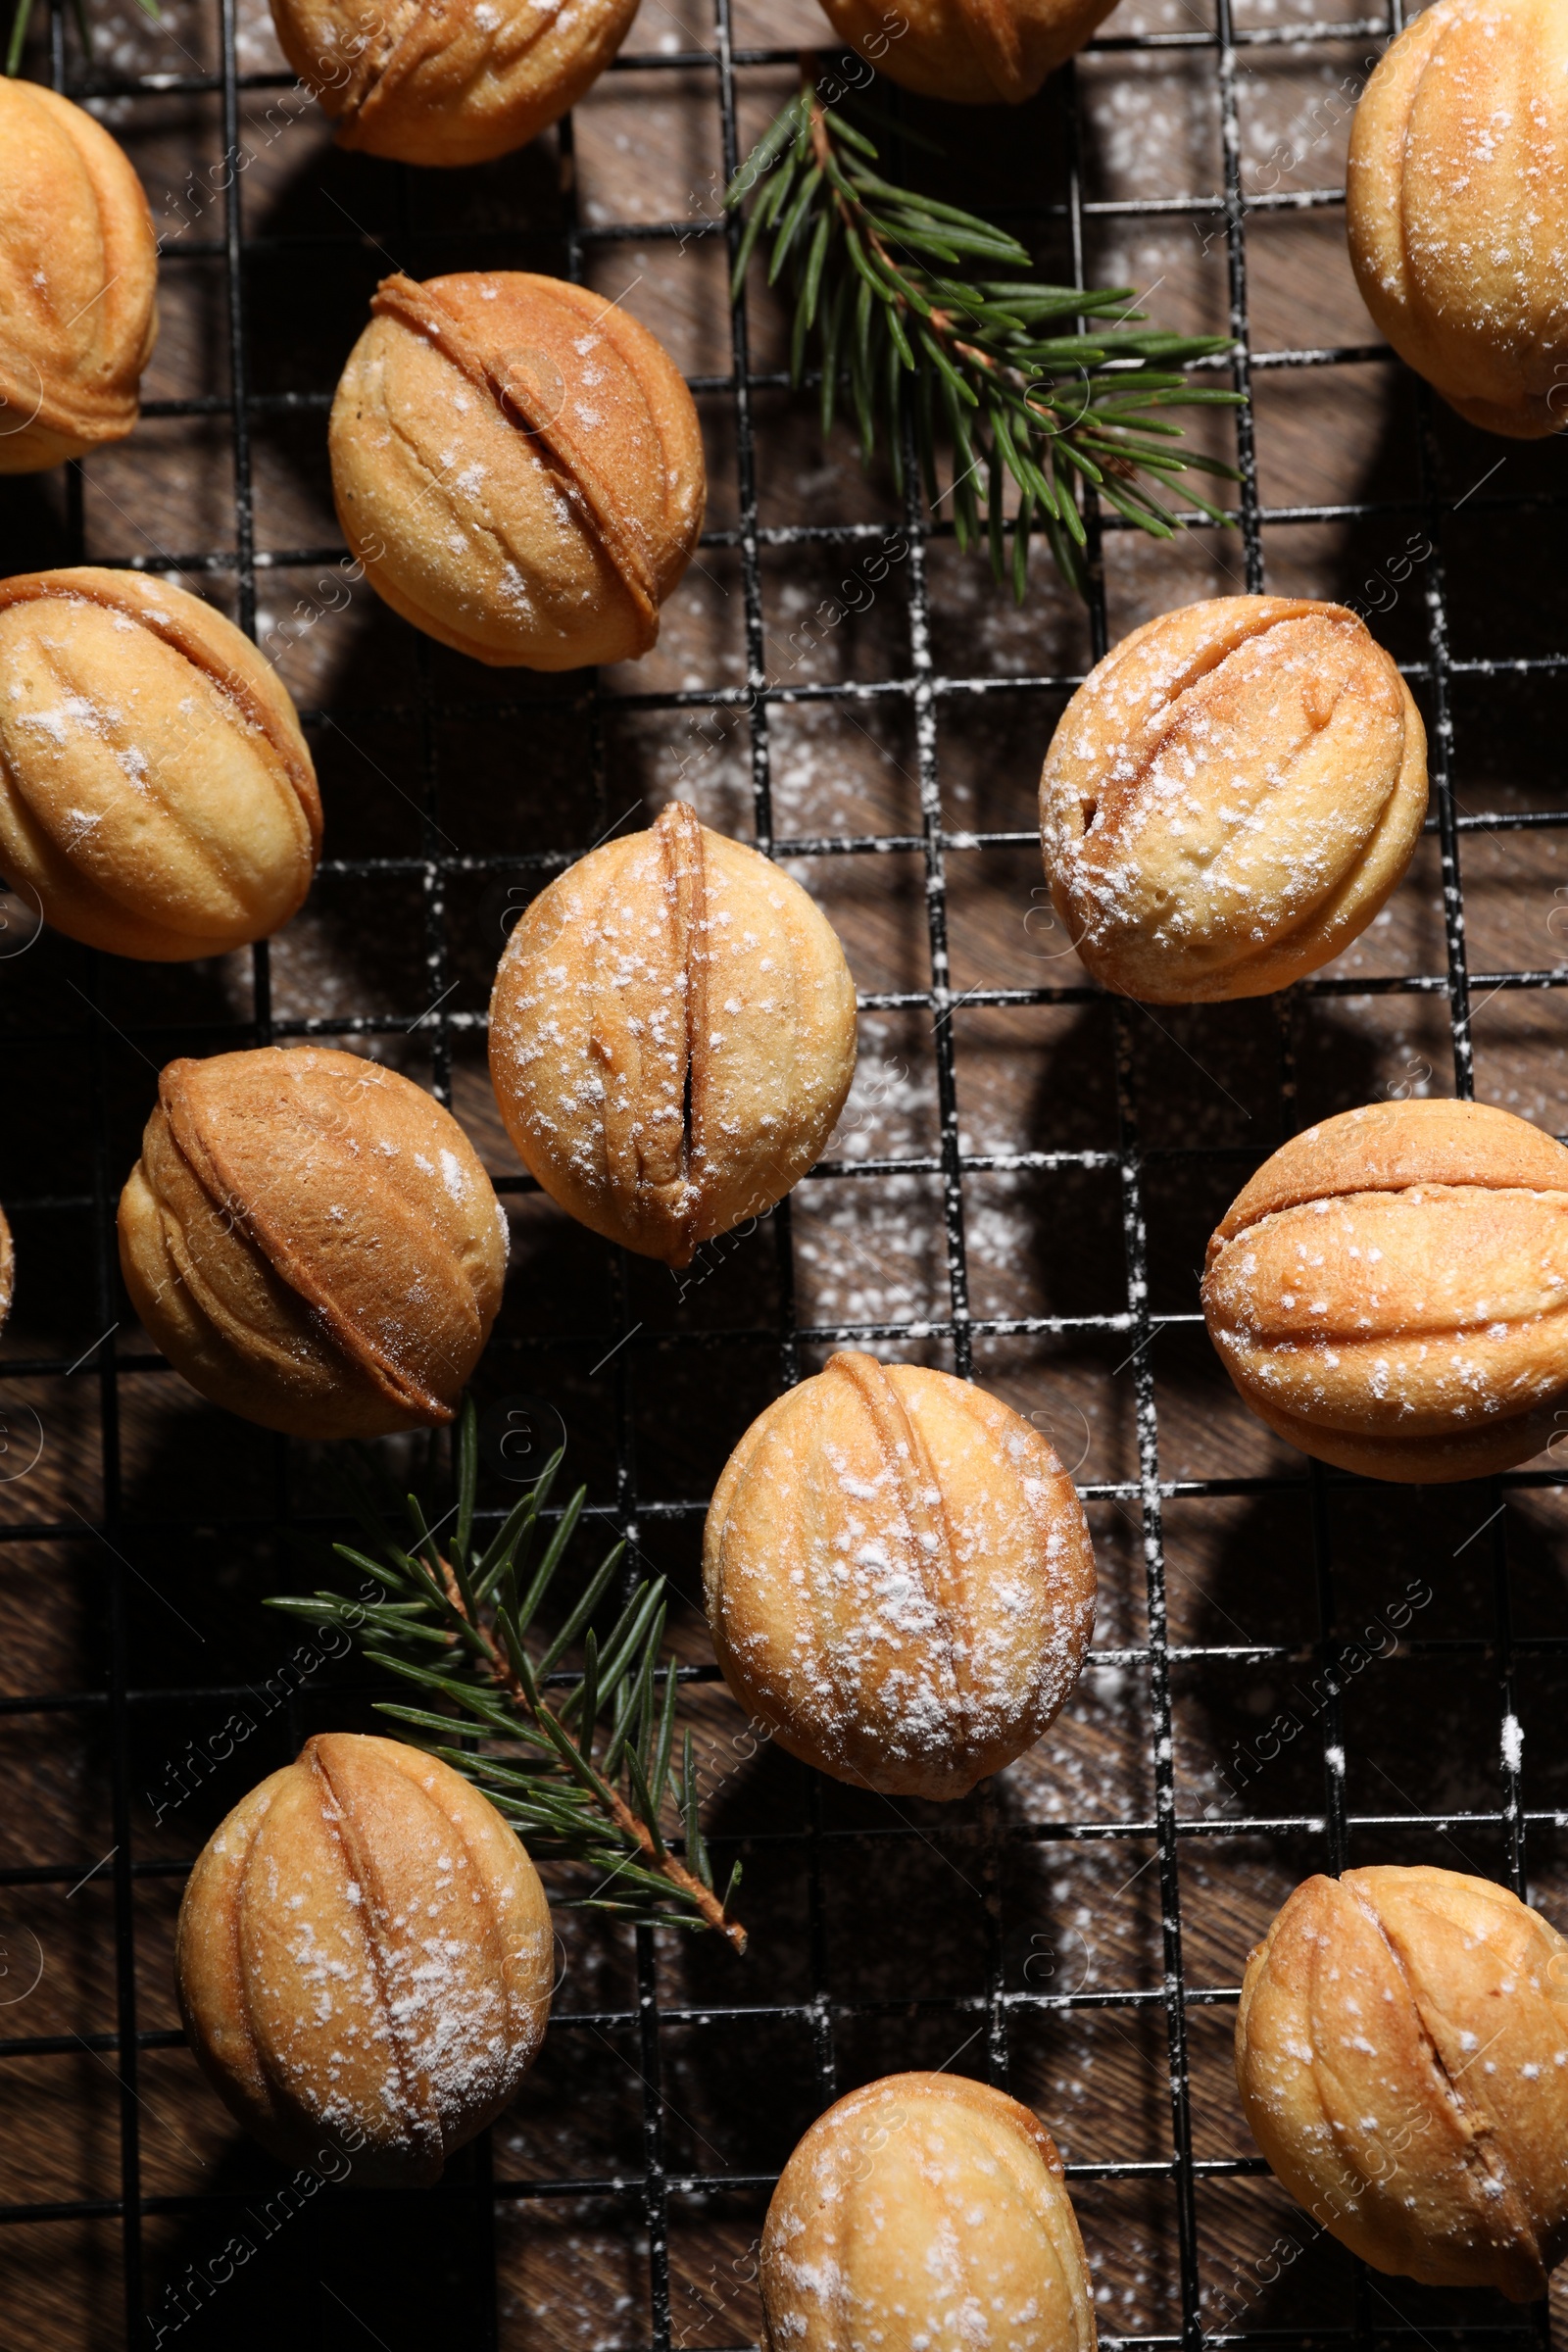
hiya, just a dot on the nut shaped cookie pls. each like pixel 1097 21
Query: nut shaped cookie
pixel 156 793
pixel 925 2213
pixel 1401 2050
pixel 1456 205
pixel 671 1037
pixel 363 1962
pixel 1390 1290
pixel 1230 796
pixel 311 1241
pixel 977 52
pixel 446 81
pixel 519 465
pixel 78 281
pixel 897 1578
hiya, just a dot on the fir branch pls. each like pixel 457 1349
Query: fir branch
pixel 452 1624
pixel 918 312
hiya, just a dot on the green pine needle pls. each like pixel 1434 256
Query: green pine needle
pixel 906 334
pixel 84 29
pixel 23 17
pixel 450 1622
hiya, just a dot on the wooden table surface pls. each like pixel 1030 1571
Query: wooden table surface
pixel 902 1919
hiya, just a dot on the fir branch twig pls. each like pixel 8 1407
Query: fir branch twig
pixel 920 316
pixel 455 1622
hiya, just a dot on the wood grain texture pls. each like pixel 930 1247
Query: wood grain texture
pixel 906 1918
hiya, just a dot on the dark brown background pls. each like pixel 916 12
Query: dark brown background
pixel 421 753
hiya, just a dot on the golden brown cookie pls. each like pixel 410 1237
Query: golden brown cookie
pixel 78 281
pixel 1390 1290
pixel 1230 796
pixel 448 81
pixel 311 1241
pixel 898 1576
pixel 363 1962
pixel 156 793
pixel 1456 198
pixel 977 52
pixel 671 1037
pixel 1401 2050
pixel 927 2212
pixel 519 465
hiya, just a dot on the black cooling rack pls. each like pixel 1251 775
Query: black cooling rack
pixel 927 695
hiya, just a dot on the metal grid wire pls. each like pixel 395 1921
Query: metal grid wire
pixel 924 692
